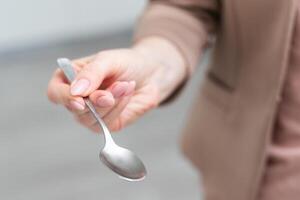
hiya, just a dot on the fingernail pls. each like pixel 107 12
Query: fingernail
pixel 80 86
pixel 105 101
pixel 119 89
pixel 130 88
pixel 76 105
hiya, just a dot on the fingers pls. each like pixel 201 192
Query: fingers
pixel 113 115
pixel 121 92
pixel 59 92
pixel 113 119
pixel 103 102
pixel 139 104
pixel 107 102
pixel 82 62
pixel 102 98
pixel 56 80
pixel 90 77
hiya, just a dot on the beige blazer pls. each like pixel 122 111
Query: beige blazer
pixel 231 123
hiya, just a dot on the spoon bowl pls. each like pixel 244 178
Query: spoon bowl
pixel 123 162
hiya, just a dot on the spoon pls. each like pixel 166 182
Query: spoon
pixel 120 160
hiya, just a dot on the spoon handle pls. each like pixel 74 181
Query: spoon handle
pixel 66 66
pixel 90 106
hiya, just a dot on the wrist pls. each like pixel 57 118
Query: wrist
pixel 170 70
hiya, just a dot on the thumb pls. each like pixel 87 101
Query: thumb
pixel 89 78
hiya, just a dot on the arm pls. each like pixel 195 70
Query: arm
pixel 188 25
pixel 123 84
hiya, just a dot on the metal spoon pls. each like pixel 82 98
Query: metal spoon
pixel 120 160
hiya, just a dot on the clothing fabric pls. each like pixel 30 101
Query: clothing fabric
pixel 282 174
pixel 231 123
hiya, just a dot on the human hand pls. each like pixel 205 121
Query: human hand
pixel 123 84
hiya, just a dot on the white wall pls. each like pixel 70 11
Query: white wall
pixel 32 22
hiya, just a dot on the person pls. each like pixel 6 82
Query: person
pixel 243 134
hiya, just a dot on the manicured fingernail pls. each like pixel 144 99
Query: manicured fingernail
pixel 105 101
pixel 80 86
pixel 76 105
pixel 130 88
pixel 119 89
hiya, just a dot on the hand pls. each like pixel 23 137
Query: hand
pixel 123 84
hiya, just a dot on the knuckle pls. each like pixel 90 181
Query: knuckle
pixel 88 71
pixel 80 112
pixel 114 129
pixel 106 58
pixel 117 125
pixel 79 63
pixel 103 54
pixel 153 100
pixel 85 123
pixel 153 105
pixel 95 128
pixel 69 108
pixel 81 120
pixel 102 111
pixel 92 72
pixel 86 119
pixel 78 119
pixel 50 95
pixel 56 72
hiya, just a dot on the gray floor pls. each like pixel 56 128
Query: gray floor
pixel 45 155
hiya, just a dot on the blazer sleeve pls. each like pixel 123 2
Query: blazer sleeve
pixel 188 24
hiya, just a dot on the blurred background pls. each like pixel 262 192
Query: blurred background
pixel 44 154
